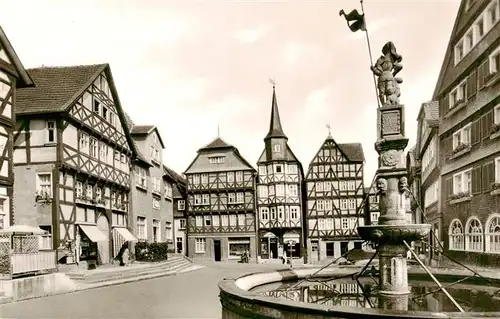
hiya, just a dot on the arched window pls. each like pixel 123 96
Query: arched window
pixel 474 235
pixel 456 234
pixel 493 234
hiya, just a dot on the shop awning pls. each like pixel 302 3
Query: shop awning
pixel 269 235
pixel 93 233
pixel 125 233
pixel 238 241
pixel 291 237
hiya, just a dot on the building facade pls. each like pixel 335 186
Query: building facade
pixel 335 192
pixel 72 153
pixel 279 195
pixel 152 214
pixel 179 212
pixel 468 91
pixel 12 76
pixel 220 204
pixel 372 205
pixel 428 194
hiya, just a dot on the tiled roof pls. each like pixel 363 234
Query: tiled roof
pixel 142 129
pixel 131 126
pixel 56 88
pixel 173 174
pixel 217 143
pixel 353 151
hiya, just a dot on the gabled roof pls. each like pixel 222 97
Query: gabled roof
pixel 24 78
pixel 140 157
pixel 235 161
pixel 57 89
pixel 173 175
pixel 352 151
pixel 289 156
pixel 275 128
pixel 139 130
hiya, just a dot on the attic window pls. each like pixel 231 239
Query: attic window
pixel 105 113
pixel 97 106
pixel 217 159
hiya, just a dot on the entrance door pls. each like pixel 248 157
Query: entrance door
pixel 344 247
pixel 179 245
pixel 217 252
pixel 273 248
pixel 103 246
pixel 330 251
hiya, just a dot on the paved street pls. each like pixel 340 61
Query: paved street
pixel 188 295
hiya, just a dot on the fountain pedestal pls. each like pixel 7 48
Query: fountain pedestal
pixel 394 231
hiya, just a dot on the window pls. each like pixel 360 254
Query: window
pixel 230 177
pixel 343 185
pixel 264 213
pixel 497 170
pixel 351 185
pixel 205 199
pixel 181 204
pixel 156 230
pixel 204 178
pixel 232 220
pixel 273 213
pixel 431 194
pixel 459 51
pixel 89 190
pixel 208 221
pixel 278 169
pixel 44 187
pixel 495 61
pixel 79 189
pixel 458 94
pixel 215 220
pixel 328 204
pixel 276 148
pixel 141 180
pixel 352 203
pixel 231 198
pixel 429 153
pixel 93 147
pixel 493 234
pixel 374 217
pixel 241 219
pixel 197 199
pixel 239 176
pixel 157 155
pixel 98 193
pixel 84 142
pixel 280 190
pixel 462 136
pixel 474 235
pixel 51 131
pixel 292 190
pixel 262 170
pixel 141 228
pixel 112 119
pixel 240 197
pixel 97 106
pixel 343 204
pixel 105 112
pixel 182 224
pixel 196 179
pixel 320 205
pixel 200 245
pixel 292 169
pixel 462 182
pixel 345 223
pixel 294 213
pixel 168 190
pixel 479 26
pixel 224 220
pixel 103 152
pixel 280 212
pixel 199 221
pixel 217 159
pixel 263 191
pixel 492 13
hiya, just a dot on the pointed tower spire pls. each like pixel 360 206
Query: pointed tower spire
pixel 275 129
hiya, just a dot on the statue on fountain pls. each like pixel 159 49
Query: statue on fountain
pixel 386 68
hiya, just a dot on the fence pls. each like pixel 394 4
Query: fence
pixel 33 262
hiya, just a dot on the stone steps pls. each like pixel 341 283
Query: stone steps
pixel 173 265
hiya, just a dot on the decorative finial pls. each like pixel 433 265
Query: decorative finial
pixel 271 80
pixel 329 129
pixel 218 130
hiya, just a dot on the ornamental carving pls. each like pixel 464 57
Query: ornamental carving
pixel 389 158
pixel 382 186
pixel 394 234
pixel 403 185
pixel 391 122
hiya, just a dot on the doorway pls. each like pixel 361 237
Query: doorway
pixel 179 245
pixel 273 248
pixel 103 250
pixel 217 251
pixel 344 247
pixel 330 250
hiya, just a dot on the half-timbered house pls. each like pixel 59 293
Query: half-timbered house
pixel 12 76
pixel 279 194
pixel 372 205
pixel 152 214
pixel 335 200
pixel 179 210
pixel 220 204
pixel 72 155
pixel 468 91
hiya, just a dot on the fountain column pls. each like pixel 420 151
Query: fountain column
pixel 393 228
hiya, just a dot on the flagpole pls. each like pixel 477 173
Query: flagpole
pixel 369 51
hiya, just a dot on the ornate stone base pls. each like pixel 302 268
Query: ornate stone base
pixel 394 234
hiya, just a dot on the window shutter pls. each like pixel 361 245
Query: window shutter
pixel 488 123
pixel 449 187
pixel 471 85
pixel 480 76
pixel 490 177
pixel 443 105
pixel 475 132
pixel 476 180
pixel 485 177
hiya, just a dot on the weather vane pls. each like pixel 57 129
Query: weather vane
pixel 271 80
pixel 329 129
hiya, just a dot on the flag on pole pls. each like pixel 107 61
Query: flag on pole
pixel 355 20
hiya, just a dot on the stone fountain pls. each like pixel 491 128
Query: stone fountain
pixel 394 233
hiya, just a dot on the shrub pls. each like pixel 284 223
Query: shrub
pixel 145 251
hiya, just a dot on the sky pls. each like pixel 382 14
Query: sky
pixel 189 67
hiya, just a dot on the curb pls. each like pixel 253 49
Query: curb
pixel 82 287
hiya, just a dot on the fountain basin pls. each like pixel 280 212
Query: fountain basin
pixel 394 233
pixel 239 300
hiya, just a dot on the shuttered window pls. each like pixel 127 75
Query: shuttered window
pixel 486 123
pixel 476 132
pixel 488 176
pixel 443 105
pixel 471 85
pixel 482 71
pixel 476 180
pixel 449 187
